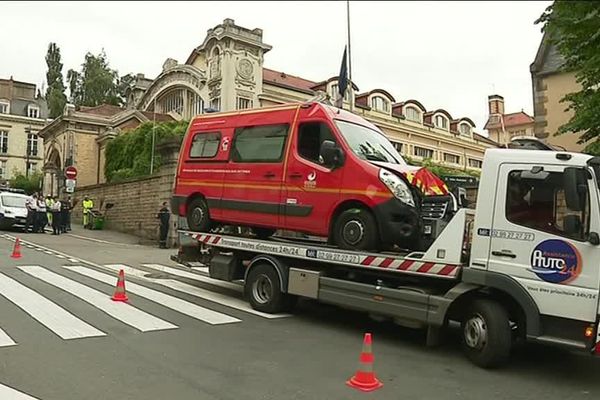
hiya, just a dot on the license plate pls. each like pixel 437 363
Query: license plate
pixel 427 230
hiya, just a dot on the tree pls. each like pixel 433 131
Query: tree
pixel 55 94
pixel 574 28
pixel 95 84
pixel 30 184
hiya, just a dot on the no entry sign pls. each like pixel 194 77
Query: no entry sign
pixel 71 172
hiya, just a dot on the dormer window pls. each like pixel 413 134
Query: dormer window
pixel 4 106
pixel 441 122
pixel 465 129
pixel 412 114
pixel 33 111
pixel 334 93
pixel 378 103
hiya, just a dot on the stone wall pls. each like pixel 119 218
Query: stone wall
pixel 136 202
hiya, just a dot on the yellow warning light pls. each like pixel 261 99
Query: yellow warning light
pixel 589 331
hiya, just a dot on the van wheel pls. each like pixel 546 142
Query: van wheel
pixel 486 334
pixel 263 233
pixel 198 218
pixel 263 289
pixel 355 229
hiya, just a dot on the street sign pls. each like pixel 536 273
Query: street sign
pixel 70 185
pixel 71 172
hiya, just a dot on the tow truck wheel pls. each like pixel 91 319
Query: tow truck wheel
pixel 355 229
pixel 263 290
pixel 198 219
pixel 486 334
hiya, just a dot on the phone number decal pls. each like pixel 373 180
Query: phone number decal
pixel 328 256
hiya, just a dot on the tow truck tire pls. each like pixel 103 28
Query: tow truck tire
pixel 486 334
pixel 198 218
pixel 356 229
pixel 263 290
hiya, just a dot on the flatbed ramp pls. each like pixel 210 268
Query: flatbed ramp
pixel 411 263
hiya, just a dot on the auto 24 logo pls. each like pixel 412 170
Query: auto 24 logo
pixel 556 261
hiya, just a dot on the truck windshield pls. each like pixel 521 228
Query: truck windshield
pixel 369 144
pixel 13 201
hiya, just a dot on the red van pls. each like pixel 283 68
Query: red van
pixel 309 168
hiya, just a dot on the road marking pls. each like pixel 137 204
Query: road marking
pixel 121 311
pixel 48 252
pixel 47 313
pixel 7 393
pixel 73 260
pixel 219 298
pixel 6 340
pixel 59 256
pixel 196 277
pixel 182 306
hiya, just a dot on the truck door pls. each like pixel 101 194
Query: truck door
pixel 541 239
pixel 312 188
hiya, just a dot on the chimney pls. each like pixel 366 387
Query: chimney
pixel 496 104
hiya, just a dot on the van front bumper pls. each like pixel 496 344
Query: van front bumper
pixel 399 224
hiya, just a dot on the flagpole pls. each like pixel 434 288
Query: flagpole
pixel 349 53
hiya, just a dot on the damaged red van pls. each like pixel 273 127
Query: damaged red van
pixel 310 168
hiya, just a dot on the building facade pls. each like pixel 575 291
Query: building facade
pixel 502 126
pixel 23 114
pixel 550 83
pixel 79 137
pixel 226 72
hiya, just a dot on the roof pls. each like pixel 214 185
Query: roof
pixel 484 139
pixel 158 116
pixel 285 80
pixel 105 110
pixel 513 119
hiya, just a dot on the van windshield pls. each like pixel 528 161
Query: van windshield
pixel 13 201
pixel 369 144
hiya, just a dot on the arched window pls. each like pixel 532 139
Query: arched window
pixel 378 103
pixel 465 129
pixel 412 114
pixel 441 122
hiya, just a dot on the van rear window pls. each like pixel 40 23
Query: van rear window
pixel 205 145
pixel 263 143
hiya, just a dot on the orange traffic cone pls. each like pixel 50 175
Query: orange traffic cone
pixel 365 378
pixel 120 294
pixel 17 249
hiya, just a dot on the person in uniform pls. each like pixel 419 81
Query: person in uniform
pixel 87 204
pixel 55 210
pixel 41 216
pixel 31 205
pixel 163 216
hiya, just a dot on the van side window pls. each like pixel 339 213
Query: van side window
pixel 310 137
pixel 537 201
pixel 205 145
pixel 264 143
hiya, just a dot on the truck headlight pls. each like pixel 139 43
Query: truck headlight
pixel 397 186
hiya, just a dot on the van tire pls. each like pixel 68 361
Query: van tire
pixel 356 229
pixel 486 334
pixel 263 233
pixel 198 218
pixel 263 289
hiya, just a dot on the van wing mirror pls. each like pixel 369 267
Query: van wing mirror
pixel 575 188
pixel 332 155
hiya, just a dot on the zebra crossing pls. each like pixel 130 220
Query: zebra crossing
pixel 67 326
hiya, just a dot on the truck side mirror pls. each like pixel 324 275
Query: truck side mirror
pixel 332 155
pixel 575 188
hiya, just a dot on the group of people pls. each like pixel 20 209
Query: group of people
pixel 49 211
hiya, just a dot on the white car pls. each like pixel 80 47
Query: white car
pixel 12 210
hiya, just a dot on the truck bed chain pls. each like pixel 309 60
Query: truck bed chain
pixel 318 253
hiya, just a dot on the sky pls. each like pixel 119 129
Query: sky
pixel 448 55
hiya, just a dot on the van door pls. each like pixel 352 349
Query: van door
pixel 312 188
pixel 540 239
pixel 254 178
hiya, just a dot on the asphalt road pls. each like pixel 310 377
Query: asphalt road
pixel 73 350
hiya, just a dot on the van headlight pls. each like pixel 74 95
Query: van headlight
pixel 397 186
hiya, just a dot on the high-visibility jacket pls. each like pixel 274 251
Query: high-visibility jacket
pixel 87 205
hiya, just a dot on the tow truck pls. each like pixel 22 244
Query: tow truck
pixel 521 266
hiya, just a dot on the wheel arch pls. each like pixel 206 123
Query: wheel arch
pixel 279 267
pixel 347 205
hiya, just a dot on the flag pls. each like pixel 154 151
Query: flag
pixel 342 81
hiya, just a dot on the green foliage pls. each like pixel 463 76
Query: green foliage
pixel 574 27
pixel 441 170
pixel 55 94
pixel 29 184
pixel 97 83
pixel 129 155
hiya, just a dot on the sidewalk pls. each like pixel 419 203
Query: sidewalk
pixel 108 236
